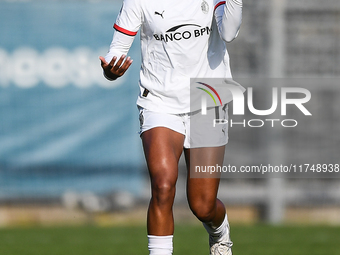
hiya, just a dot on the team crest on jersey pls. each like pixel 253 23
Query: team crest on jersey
pixel 204 7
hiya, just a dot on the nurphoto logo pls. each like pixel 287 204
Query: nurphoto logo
pixel 281 97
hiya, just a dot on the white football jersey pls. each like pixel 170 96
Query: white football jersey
pixel 179 40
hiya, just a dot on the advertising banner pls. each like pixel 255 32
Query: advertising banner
pixel 63 126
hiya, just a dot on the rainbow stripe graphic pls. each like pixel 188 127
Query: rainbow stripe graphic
pixel 209 93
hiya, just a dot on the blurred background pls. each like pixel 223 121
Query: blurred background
pixel 70 153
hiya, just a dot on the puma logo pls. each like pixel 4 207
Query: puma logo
pixel 160 14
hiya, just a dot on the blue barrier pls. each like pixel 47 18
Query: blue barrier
pixel 62 125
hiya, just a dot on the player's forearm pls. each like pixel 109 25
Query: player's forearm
pixel 229 19
pixel 120 45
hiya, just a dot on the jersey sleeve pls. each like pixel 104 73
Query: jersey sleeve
pixel 119 46
pixel 228 15
pixel 126 27
pixel 129 18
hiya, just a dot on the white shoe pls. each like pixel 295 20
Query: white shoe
pixel 223 247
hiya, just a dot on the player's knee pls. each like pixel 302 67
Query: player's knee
pixel 203 211
pixel 163 191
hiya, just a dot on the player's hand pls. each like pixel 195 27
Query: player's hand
pixel 114 69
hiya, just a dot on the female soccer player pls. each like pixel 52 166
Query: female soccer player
pixel 179 40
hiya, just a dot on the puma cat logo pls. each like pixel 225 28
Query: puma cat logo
pixel 160 14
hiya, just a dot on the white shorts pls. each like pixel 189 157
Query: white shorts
pixel 210 130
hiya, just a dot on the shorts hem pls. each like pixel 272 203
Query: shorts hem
pixel 208 145
pixel 146 129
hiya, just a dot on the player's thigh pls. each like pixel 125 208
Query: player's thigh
pixel 162 148
pixel 202 188
pixel 204 158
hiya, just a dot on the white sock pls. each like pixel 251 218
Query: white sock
pixel 160 245
pixel 219 232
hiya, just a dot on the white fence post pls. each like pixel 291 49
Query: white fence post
pixel 276 148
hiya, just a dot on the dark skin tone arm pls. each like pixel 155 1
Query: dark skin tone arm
pixel 114 70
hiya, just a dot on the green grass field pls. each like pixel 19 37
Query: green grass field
pixel 189 240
